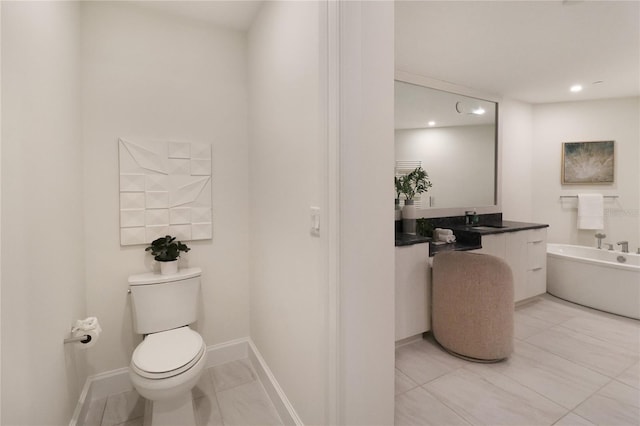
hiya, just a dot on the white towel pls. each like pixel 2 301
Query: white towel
pixel 444 235
pixel 590 211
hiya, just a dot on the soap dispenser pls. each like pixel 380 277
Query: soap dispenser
pixel 470 217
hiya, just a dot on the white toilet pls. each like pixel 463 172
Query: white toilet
pixel 168 363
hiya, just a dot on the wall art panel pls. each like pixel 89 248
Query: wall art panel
pixel 165 188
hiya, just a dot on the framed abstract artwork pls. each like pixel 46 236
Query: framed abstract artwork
pixel 588 163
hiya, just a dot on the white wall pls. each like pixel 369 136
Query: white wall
pixel 42 239
pixel 367 259
pixel 288 292
pixel 147 75
pixel 516 119
pixel 460 162
pixel 608 119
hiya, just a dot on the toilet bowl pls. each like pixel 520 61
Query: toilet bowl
pixel 168 363
pixel 164 368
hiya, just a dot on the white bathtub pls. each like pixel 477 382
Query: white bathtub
pixel 601 279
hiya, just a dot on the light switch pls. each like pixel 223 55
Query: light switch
pixel 315 221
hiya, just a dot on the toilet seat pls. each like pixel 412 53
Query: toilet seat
pixel 168 353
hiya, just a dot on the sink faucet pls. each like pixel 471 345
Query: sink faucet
pixel 600 236
pixel 610 246
pixel 625 246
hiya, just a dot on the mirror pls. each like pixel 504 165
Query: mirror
pixel 454 138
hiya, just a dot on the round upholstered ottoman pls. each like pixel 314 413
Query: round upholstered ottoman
pixel 472 312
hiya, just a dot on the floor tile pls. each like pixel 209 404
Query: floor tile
pixel 549 311
pixel 204 387
pixel 123 407
pixel 631 376
pixel 526 326
pixel 419 407
pixel 493 399
pixel 232 374
pixel 572 419
pixel 560 380
pixel 247 404
pixel 614 332
pixel 207 411
pixel 584 350
pixel 95 412
pixel 403 382
pixel 135 422
pixel 615 404
pixel 423 361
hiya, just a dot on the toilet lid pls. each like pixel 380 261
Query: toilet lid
pixel 167 353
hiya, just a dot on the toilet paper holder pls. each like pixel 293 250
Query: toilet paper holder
pixel 85 338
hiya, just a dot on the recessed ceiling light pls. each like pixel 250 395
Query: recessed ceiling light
pixel 431 123
pixel 576 88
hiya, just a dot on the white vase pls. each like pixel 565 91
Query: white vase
pixel 409 215
pixel 168 268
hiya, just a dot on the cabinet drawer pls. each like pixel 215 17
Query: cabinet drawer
pixel 536 254
pixel 536 281
pixel 537 235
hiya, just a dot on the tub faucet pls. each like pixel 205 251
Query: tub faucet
pixel 625 246
pixel 610 246
pixel 600 236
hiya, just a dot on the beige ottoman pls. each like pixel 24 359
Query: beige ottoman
pixel 472 312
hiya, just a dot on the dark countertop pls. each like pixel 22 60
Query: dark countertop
pixel 408 239
pixel 497 227
pixel 435 248
pixel 468 237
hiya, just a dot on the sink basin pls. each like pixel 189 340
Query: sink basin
pixel 487 227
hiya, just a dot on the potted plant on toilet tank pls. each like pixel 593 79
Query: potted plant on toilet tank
pixel 166 250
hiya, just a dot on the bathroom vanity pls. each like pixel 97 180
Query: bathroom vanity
pixel 522 245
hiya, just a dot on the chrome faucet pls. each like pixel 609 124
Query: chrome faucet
pixel 600 236
pixel 625 246
pixel 610 246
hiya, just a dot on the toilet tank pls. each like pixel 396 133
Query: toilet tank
pixel 163 302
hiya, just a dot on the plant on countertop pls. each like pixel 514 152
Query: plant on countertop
pixel 166 249
pixel 424 227
pixel 399 181
pixel 414 183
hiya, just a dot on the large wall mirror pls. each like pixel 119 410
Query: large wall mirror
pixel 454 137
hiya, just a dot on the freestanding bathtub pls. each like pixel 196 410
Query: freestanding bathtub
pixel 601 279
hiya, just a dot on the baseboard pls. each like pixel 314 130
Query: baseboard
pixel 228 351
pixel 284 407
pixel 117 381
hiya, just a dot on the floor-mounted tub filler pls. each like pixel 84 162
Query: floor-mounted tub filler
pixel 601 279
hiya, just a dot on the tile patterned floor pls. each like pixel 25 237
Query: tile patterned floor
pixel 571 366
pixel 227 395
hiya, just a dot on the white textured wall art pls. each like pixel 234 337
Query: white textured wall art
pixel 165 189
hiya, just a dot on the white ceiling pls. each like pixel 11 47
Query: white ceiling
pixel 527 50
pixel 232 14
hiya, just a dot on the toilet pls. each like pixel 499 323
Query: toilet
pixel 168 363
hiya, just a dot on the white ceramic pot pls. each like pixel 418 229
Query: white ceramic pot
pixel 168 268
pixel 409 216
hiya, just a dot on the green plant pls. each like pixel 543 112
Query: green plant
pixel 415 182
pixel 166 249
pixel 399 182
pixel 424 227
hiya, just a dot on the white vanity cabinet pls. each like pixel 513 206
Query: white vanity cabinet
pixel 413 287
pixel 526 253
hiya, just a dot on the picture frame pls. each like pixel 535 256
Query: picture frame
pixel 588 163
